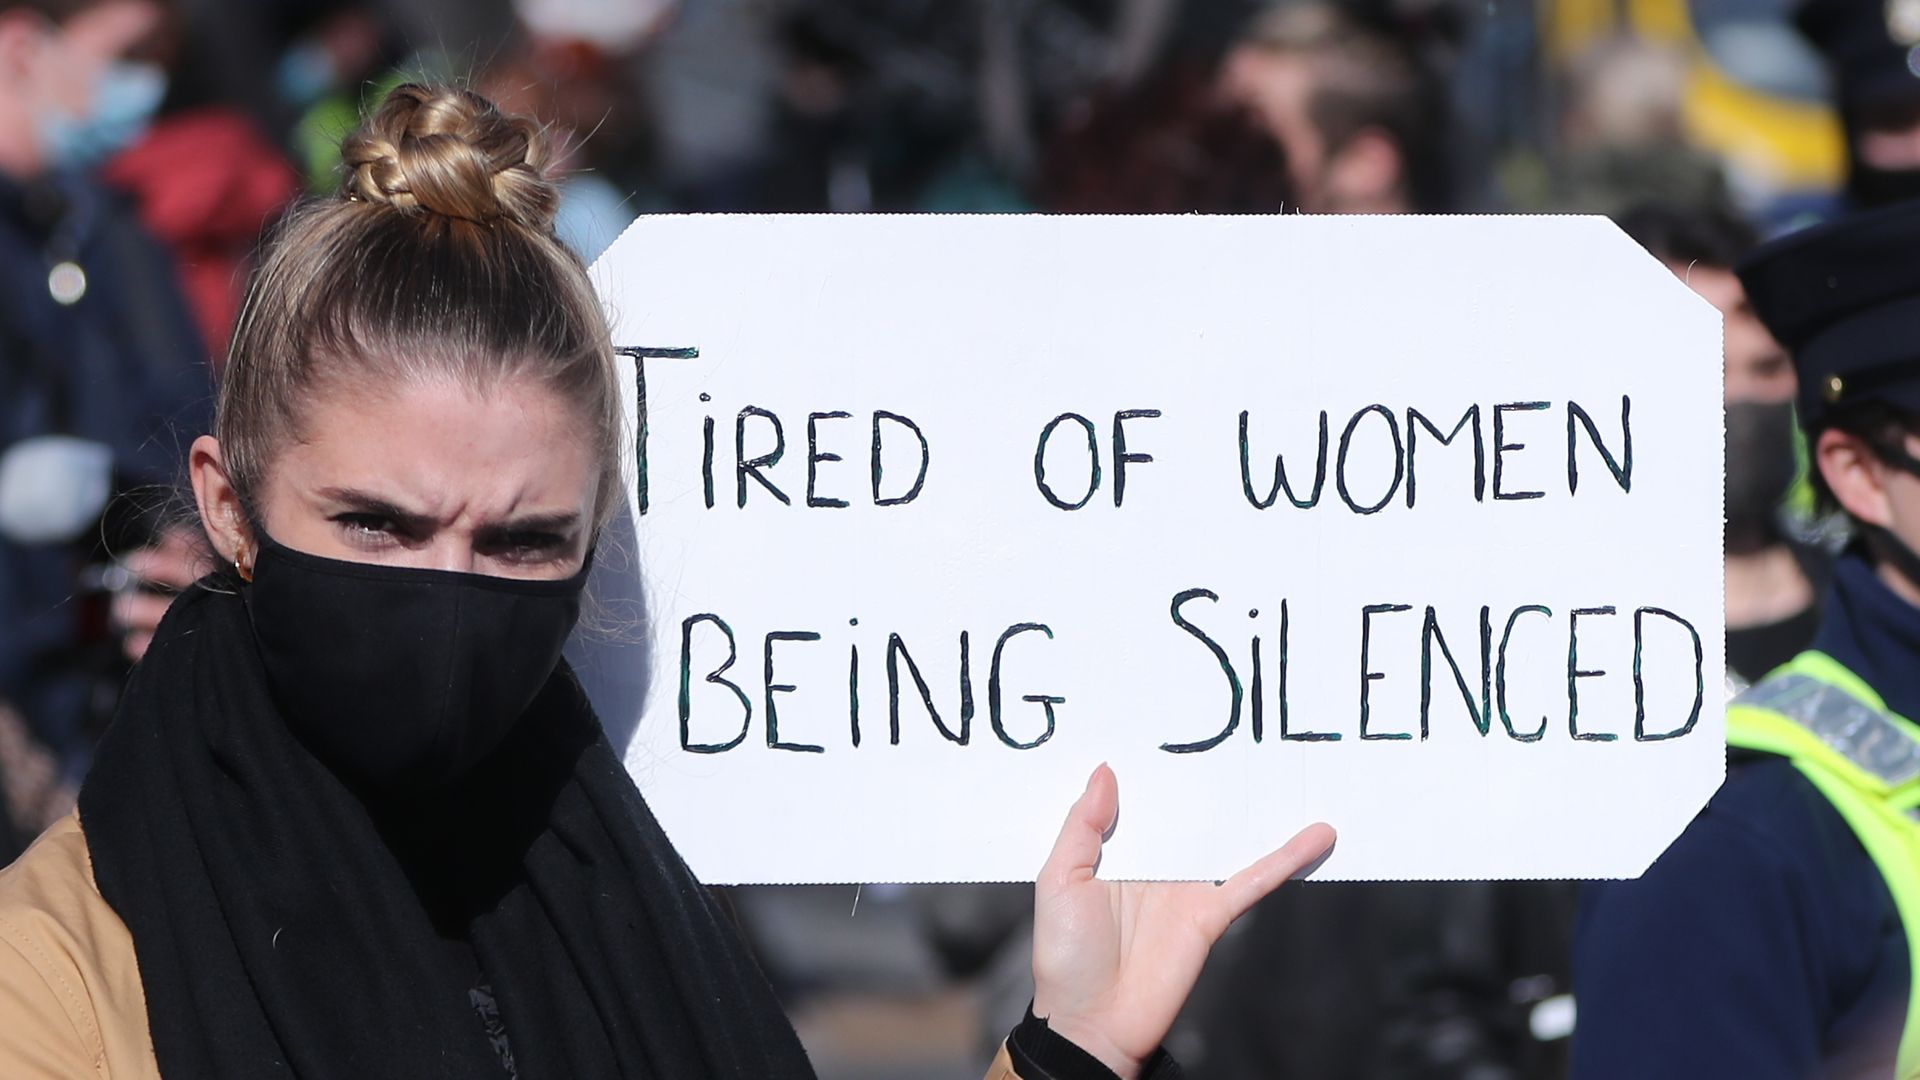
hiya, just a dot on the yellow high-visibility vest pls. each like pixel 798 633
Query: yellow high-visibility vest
pixel 1866 760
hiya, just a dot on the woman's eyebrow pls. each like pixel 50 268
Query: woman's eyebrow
pixel 367 503
pixel 555 522
pixel 364 502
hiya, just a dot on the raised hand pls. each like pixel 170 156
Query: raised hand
pixel 1113 962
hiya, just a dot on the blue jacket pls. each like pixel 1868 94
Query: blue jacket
pixel 1764 944
pixel 123 366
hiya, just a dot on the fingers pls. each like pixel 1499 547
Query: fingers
pixel 171 564
pixel 138 614
pixel 174 562
pixel 148 565
pixel 136 611
pixel 1250 886
pixel 1077 850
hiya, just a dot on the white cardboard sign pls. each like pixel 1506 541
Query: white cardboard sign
pixel 1411 525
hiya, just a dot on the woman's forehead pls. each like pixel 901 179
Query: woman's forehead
pixel 442 447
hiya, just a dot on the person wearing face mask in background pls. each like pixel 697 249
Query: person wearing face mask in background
pixel 1871 50
pixel 102 375
pixel 1775 573
pixel 205 179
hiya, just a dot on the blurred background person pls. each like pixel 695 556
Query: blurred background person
pixel 334 56
pixel 102 370
pixel 1776 571
pixel 1623 131
pixel 1363 115
pixel 1870 51
pixel 1667 100
pixel 1174 144
pixel 205 179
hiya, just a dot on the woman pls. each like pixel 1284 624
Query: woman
pixel 355 818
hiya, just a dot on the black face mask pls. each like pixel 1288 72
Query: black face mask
pixel 400 678
pixel 1869 187
pixel 1760 469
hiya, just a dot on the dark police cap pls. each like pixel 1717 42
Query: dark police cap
pixel 1844 299
pixel 1870 46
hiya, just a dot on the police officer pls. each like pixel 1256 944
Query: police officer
pixel 1776 937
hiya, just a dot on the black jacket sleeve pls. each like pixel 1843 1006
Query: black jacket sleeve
pixel 1040 1053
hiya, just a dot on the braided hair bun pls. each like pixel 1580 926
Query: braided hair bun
pixel 449 151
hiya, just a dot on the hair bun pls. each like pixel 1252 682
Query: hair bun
pixel 449 151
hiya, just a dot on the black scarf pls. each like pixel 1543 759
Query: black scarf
pixel 288 927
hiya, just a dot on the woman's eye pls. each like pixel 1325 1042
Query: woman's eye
pixel 366 526
pixel 534 541
pixel 529 546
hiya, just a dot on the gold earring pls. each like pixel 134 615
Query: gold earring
pixel 243 565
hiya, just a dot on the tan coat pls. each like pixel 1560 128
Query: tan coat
pixel 71 1003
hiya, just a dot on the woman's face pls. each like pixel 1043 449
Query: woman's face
pixel 434 476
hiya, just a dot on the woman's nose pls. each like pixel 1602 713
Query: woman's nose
pixel 454 553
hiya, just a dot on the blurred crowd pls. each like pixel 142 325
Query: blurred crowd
pixel 146 146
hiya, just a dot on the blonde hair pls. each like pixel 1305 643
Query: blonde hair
pixel 437 260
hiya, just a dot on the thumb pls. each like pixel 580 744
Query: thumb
pixel 1077 850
